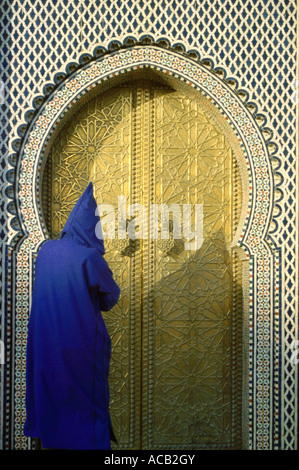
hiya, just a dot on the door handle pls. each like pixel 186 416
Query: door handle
pixel 170 246
pixel 127 247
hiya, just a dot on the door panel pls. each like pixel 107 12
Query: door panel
pixel 189 399
pixel 176 336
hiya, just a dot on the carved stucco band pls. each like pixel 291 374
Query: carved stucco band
pixel 252 235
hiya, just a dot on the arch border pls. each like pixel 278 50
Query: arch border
pixel 258 150
pixel 255 142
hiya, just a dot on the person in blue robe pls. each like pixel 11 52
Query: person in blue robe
pixel 68 346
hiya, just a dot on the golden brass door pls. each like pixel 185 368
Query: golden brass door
pixel 175 375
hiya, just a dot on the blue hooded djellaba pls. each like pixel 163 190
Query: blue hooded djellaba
pixel 68 347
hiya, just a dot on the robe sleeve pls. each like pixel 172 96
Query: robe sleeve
pixel 101 281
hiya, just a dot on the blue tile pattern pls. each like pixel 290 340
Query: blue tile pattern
pixel 252 40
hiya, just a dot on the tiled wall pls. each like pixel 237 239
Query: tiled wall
pixel 253 41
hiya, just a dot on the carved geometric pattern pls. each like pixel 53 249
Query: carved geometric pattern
pixel 96 147
pixel 174 320
pixel 191 315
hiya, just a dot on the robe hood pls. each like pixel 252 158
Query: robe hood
pixel 83 224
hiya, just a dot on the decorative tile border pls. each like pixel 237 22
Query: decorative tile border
pixel 253 235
